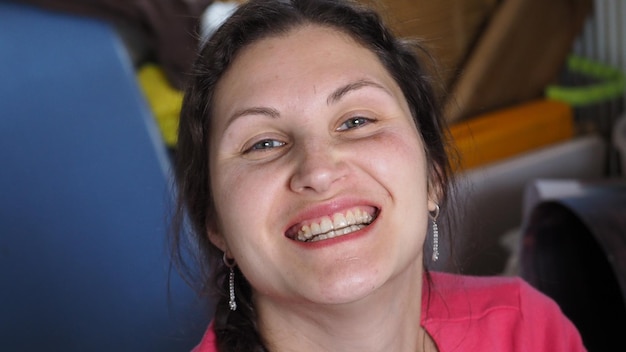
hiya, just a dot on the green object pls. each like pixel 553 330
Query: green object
pixel 607 84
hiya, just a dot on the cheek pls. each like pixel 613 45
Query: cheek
pixel 399 156
pixel 228 187
pixel 243 195
pixel 400 166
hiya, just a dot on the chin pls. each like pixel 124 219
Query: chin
pixel 348 289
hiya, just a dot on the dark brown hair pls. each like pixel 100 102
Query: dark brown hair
pixel 196 215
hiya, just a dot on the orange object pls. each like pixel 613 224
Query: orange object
pixel 509 132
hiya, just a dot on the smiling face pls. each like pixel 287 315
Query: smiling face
pixel 318 172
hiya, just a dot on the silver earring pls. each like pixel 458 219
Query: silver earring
pixel 232 303
pixel 434 217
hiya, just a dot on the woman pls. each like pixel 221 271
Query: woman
pixel 311 164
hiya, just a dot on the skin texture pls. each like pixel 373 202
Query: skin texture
pixel 306 125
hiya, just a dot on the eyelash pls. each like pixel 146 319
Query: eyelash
pixel 362 122
pixel 268 143
pixel 264 145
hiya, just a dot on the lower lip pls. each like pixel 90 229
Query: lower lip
pixel 340 239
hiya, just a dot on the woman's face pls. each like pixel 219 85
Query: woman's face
pixel 318 172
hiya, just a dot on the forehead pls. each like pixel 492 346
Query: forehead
pixel 303 47
pixel 305 58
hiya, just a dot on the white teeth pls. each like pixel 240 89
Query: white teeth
pixel 326 225
pixel 315 228
pixel 339 221
pixel 350 217
pixel 305 233
pixel 341 224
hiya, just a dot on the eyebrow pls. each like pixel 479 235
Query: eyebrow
pixel 259 110
pixel 334 97
pixel 343 90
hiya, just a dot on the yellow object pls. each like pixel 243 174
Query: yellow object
pixel 165 101
pixel 509 132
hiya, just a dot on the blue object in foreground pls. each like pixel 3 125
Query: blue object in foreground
pixel 84 196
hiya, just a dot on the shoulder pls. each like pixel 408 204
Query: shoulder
pixel 494 313
pixel 484 293
pixel 208 343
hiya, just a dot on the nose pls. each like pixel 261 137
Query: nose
pixel 318 168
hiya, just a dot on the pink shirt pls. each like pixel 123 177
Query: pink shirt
pixel 465 314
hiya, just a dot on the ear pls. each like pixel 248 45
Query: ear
pixel 432 205
pixel 435 193
pixel 218 240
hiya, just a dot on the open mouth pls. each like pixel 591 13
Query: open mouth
pixel 334 226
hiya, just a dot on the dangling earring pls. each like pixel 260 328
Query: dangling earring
pixel 434 217
pixel 232 303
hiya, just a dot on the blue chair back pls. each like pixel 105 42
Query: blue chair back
pixel 84 193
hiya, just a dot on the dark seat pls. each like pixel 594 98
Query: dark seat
pixel 84 197
pixel 574 250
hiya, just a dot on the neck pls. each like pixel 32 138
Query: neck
pixel 386 320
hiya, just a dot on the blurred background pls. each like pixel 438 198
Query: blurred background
pixel 90 94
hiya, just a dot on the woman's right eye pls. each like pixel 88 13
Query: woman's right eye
pixel 263 145
pixel 354 122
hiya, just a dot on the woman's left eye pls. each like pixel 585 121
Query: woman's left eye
pixel 354 122
pixel 264 145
